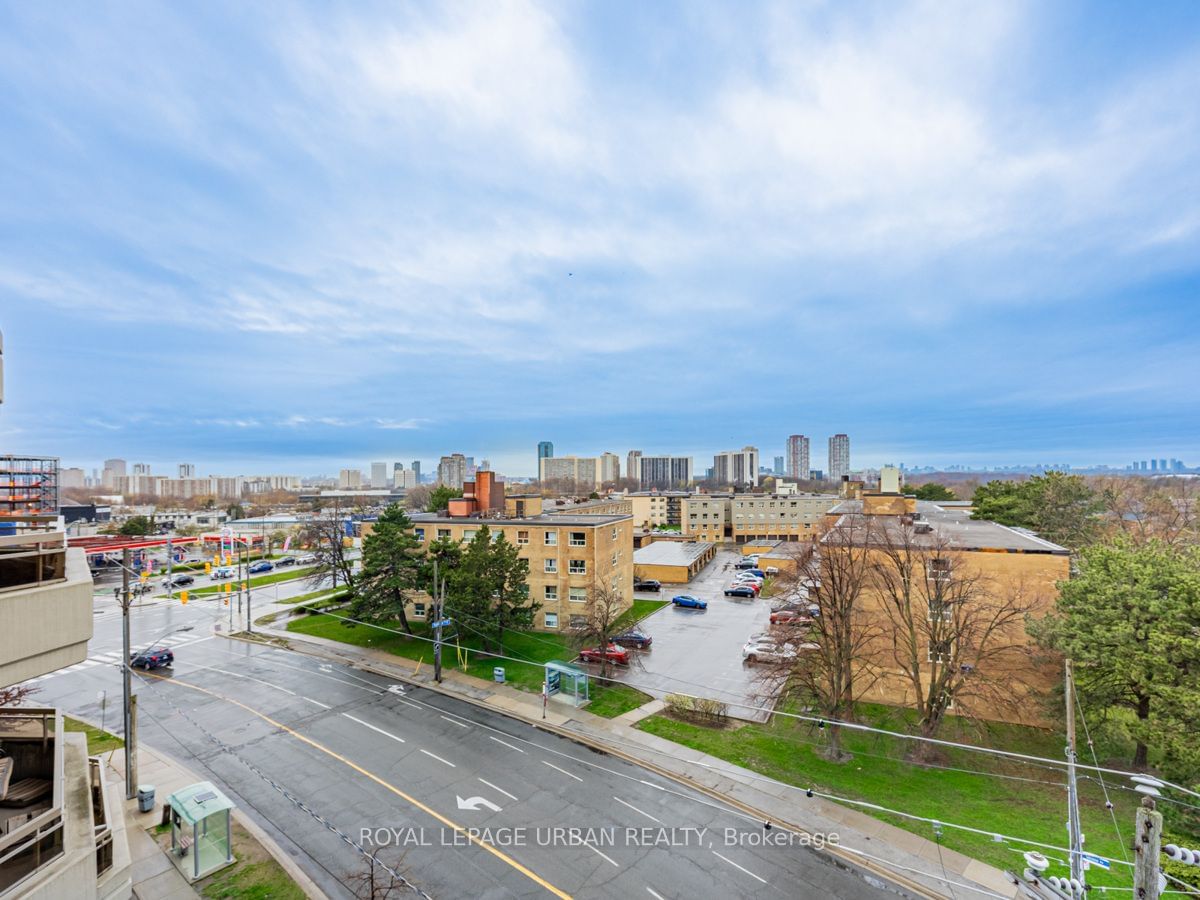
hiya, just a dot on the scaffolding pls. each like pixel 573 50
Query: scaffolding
pixel 28 486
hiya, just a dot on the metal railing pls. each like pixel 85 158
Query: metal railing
pixel 29 846
pixel 32 550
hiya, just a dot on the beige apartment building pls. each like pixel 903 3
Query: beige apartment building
pixel 568 554
pixel 740 518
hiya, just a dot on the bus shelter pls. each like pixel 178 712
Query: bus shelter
pixel 567 680
pixel 201 829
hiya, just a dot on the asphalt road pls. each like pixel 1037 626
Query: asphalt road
pixel 320 754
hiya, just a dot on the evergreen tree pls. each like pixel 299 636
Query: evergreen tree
pixel 392 563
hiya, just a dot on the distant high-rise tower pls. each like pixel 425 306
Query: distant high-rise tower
pixel 416 467
pixel 778 469
pixel 379 475
pixel 736 467
pixel 633 466
pixel 187 470
pixel 545 451
pixel 797 457
pixel 839 456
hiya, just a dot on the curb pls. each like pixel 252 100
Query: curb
pixel 846 860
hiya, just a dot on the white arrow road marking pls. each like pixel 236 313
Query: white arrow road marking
pixel 474 803
pixel 501 790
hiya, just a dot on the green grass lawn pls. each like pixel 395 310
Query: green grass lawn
pixel 536 647
pixel 313 595
pixel 610 700
pixel 98 741
pixel 270 578
pixel 788 750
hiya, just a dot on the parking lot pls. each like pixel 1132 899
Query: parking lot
pixel 699 652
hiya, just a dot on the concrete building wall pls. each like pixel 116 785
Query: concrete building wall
pixel 46 628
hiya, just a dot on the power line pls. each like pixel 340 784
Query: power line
pixel 818 720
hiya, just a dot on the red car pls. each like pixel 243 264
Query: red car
pixel 789 617
pixel 613 654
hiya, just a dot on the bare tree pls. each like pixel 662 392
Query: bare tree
pixel 418 497
pixel 834 642
pixel 326 535
pixel 957 637
pixel 1145 509
pixel 15 694
pixel 604 608
pixel 377 880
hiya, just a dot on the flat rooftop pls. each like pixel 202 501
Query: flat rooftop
pixel 670 553
pixel 544 520
pixel 954 528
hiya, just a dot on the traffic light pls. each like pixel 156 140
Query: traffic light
pixel 183 597
pixel 144 577
pixel 208 568
pixel 228 559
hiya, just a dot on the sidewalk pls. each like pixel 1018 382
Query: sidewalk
pixel 750 791
pixel 155 876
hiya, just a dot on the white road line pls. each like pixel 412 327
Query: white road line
pixel 736 866
pixel 452 722
pixel 373 728
pixel 506 744
pixel 409 703
pixel 501 790
pixel 315 702
pixel 638 811
pixel 564 771
pixel 438 758
pixel 601 853
pixel 655 894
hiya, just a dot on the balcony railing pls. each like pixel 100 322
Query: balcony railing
pixel 32 550
pixel 33 833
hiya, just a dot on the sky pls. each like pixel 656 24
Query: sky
pixel 295 238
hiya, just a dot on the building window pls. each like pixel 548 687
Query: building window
pixel 551 592
pixel 614 558
pixel 577 567
pixel 578 621
pixel 550 566
pixel 578 539
pixel 550 620
pixel 577 595
pixel 443 533
pixel 469 534
pixel 522 537
pixel 551 538
pixel 418 610
pixel 939 651
pixel 940 608
pixel 614 534
pixel 419 534
pixel 937 569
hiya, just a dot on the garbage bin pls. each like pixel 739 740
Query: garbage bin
pixel 498 674
pixel 145 795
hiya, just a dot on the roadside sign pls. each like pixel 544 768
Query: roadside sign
pixel 1095 860
pixel 443 623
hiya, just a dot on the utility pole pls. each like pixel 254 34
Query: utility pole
pixel 1073 829
pixel 126 676
pixel 438 590
pixel 1147 844
pixel 170 561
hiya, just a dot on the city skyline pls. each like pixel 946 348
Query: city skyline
pixel 332 254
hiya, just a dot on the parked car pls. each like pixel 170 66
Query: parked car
pixel 634 638
pixel 152 659
pixel 307 559
pixel 612 653
pixel 175 581
pixel 746 564
pixel 687 601
pixel 789 617
pixel 749 579
pixel 221 572
pixel 648 585
pixel 756 571
pixel 262 565
pixel 741 590
pixel 772 570
pixel 286 561
pixel 767 651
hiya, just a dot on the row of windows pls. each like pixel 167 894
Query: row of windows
pixel 550 620
pixel 574 566
pixel 574 595
pixel 549 538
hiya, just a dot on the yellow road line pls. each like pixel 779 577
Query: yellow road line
pixel 504 857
